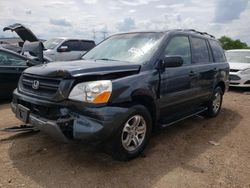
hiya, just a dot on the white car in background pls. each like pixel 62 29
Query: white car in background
pixel 239 61
pixel 66 49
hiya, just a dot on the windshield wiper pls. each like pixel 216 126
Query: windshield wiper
pixel 106 59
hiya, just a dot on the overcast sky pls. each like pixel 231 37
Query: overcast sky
pixel 80 18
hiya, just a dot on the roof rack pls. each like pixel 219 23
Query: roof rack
pixel 195 31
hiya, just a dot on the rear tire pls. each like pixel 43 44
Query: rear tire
pixel 133 135
pixel 214 105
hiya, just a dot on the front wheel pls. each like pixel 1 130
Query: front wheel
pixel 133 135
pixel 214 105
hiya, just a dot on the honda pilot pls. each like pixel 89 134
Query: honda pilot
pixel 125 87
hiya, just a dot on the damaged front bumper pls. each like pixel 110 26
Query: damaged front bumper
pixel 66 121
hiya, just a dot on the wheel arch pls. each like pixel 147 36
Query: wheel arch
pixel 222 85
pixel 149 101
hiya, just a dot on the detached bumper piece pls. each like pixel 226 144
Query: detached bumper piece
pixel 21 128
pixel 50 127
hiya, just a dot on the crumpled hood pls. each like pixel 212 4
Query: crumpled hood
pixel 239 66
pixel 68 69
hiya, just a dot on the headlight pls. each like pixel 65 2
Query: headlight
pixel 246 71
pixel 93 92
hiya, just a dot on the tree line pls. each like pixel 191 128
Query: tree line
pixel 228 43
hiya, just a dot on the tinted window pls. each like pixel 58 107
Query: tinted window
pixel 73 45
pixel 217 51
pixel 179 46
pixel 199 50
pixel 11 60
pixel 86 45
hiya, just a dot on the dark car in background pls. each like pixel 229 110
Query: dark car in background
pixel 11 67
pixel 124 87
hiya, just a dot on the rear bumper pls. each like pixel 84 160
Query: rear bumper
pixel 74 122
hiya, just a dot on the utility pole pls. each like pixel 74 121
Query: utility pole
pixel 94 35
pixel 104 33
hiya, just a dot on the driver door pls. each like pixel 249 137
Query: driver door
pixel 73 51
pixel 177 89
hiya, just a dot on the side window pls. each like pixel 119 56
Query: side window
pixel 86 45
pixel 199 50
pixel 218 52
pixel 73 45
pixel 11 60
pixel 179 46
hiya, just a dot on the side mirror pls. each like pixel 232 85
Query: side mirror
pixel 63 49
pixel 173 61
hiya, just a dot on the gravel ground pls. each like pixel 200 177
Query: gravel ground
pixel 194 153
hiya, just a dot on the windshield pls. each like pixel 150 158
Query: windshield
pixel 133 48
pixel 238 57
pixel 52 43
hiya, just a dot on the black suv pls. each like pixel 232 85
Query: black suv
pixel 124 88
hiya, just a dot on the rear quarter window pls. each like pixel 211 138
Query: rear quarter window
pixel 87 45
pixel 217 51
pixel 73 45
pixel 200 53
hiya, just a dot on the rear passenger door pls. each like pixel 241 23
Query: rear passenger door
pixel 220 62
pixel 203 69
pixel 86 46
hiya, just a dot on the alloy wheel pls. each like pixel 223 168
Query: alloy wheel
pixel 216 102
pixel 133 133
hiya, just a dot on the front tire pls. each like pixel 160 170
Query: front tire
pixel 214 105
pixel 133 135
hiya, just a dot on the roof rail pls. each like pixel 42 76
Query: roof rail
pixel 201 33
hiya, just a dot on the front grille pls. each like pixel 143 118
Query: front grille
pixel 47 86
pixel 43 111
pixel 234 77
pixel 234 83
pixel 247 82
pixel 234 70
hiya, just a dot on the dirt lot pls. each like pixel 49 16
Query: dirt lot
pixel 180 156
